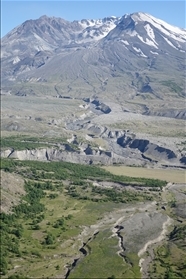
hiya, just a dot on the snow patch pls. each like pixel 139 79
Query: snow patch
pixel 16 60
pixel 139 51
pixel 132 33
pixel 88 22
pixel 154 52
pixel 169 42
pixel 96 29
pixel 174 32
pixel 148 42
pixel 125 42
pixel 150 32
pixel 153 20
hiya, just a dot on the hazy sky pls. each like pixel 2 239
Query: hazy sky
pixel 14 13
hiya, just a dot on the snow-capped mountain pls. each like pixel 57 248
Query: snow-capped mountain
pixel 148 30
pixel 136 53
pixel 94 30
pixel 49 33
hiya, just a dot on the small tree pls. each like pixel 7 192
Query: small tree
pixel 49 239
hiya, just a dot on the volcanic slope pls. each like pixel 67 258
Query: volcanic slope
pixel 137 59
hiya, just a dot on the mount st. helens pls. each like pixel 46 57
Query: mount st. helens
pixel 134 57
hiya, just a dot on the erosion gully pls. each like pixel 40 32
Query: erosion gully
pixel 84 252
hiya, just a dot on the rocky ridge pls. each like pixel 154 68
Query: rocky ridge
pixel 124 147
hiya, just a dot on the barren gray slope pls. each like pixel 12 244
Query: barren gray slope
pixel 136 58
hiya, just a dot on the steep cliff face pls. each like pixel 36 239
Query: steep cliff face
pixel 149 150
pixel 152 150
pixel 183 160
pixel 123 149
pixel 88 156
pixel 35 154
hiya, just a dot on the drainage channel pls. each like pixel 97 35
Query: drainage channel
pixel 84 253
pixel 121 245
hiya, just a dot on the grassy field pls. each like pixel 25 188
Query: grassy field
pixel 62 251
pixel 170 175
pixel 39 260
pixel 103 256
pixel 54 219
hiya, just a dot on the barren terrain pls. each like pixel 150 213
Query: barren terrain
pixel 12 188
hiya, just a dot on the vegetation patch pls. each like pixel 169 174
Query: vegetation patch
pixel 170 258
pixel 103 261
pixel 22 143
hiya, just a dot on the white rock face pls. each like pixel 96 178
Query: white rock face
pixel 35 154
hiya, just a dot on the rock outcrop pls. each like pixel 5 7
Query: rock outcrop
pixel 97 106
pixel 171 113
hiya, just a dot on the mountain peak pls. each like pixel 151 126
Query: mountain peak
pixel 43 17
pixel 145 17
pixel 137 35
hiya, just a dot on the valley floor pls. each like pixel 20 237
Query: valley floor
pixel 169 174
pixel 91 226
